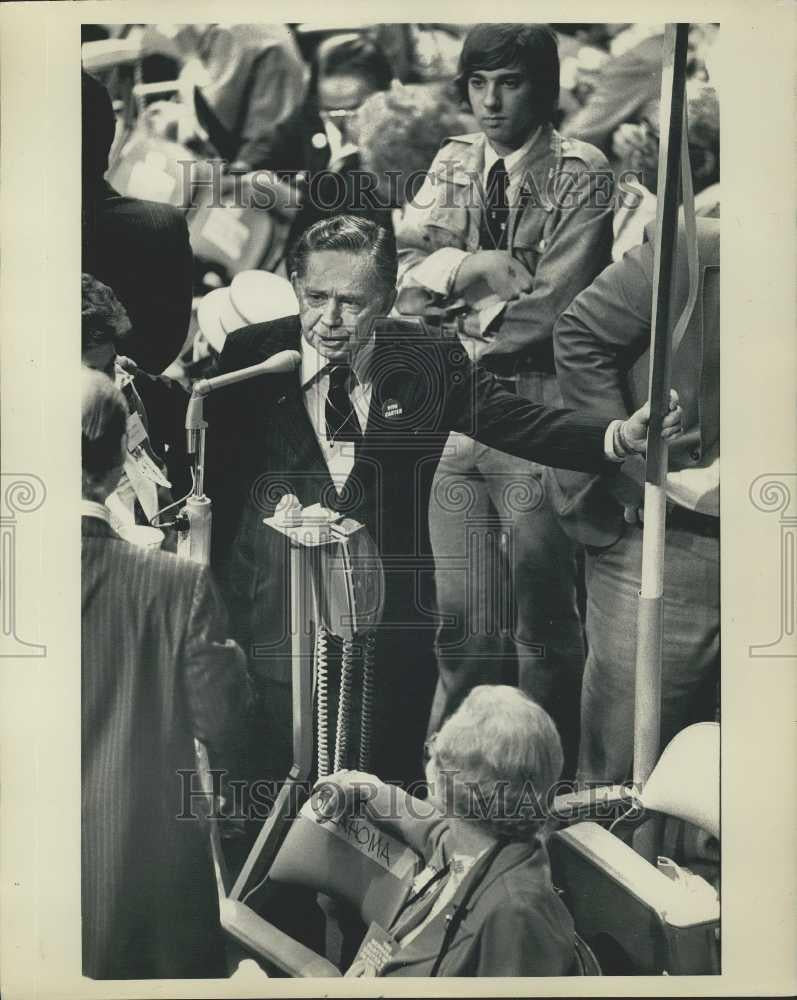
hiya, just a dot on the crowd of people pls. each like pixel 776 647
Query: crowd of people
pixel 466 217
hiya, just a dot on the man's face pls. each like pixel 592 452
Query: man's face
pixel 501 100
pixel 339 295
pixel 339 98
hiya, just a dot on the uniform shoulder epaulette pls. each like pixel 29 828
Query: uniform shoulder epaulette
pixel 576 149
pixel 453 141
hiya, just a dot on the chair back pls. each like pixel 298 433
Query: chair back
pixel 155 169
pixel 350 860
pixel 685 783
pixel 616 897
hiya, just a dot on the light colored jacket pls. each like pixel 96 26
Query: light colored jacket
pixel 560 229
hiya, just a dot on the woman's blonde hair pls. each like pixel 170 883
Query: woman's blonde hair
pixel 496 760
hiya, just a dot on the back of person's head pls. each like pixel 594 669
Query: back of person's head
pixel 99 127
pixel 500 747
pixel 349 234
pixel 530 48
pixel 105 325
pixel 354 55
pixel 703 113
pixel 103 317
pixel 703 134
pixel 400 133
pixel 103 423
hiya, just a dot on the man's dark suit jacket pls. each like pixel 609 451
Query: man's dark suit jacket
pixel 156 672
pixel 601 345
pixel 261 445
pixel 141 250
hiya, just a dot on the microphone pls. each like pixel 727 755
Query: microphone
pixel 283 361
pixel 195 532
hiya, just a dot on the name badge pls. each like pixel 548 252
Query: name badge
pixel 136 432
pixel 391 408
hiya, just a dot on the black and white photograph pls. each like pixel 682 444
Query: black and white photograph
pixel 398 652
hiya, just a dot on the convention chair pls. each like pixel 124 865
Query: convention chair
pixel 352 863
pixel 638 917
pixel 349 861
pixel 239 222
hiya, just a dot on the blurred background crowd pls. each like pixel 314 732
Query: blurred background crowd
pixel 202 110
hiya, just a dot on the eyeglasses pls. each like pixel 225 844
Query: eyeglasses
pixel 338 115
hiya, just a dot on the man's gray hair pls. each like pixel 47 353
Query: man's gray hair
pixel 351 234
pixel 497 758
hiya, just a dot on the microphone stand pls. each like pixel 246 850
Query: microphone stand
pixel 195 520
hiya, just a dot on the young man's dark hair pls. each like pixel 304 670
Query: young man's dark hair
pixel 532 48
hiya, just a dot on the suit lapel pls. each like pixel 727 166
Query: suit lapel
pixel 292 423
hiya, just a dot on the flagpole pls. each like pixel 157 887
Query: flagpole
pixel 647 688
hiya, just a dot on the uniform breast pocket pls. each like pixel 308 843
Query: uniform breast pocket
pixel 531 237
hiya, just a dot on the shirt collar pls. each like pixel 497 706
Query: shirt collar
pixel 90 508
pixel 512 160
pixel 315 365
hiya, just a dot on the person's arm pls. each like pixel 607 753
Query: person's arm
pixel 479 406
pixel 625 84
pixel 214 670
pixel 422 265
pixel 445 273
pixel 276 91
pixel 603 331
pixel 576 250
pixel 413 821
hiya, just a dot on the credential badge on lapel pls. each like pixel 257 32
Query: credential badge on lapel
pixel 391 408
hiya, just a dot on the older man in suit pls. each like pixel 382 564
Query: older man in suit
pixel 602 361
pixel 157 671
pixel 361 427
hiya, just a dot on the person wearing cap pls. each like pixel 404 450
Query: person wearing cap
pixel 359 427
pixel 157 670
pixel 512 222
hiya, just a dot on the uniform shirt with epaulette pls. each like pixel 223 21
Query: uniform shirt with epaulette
pixel 560 198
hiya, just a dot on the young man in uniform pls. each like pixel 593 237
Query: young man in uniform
pixel 510 225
